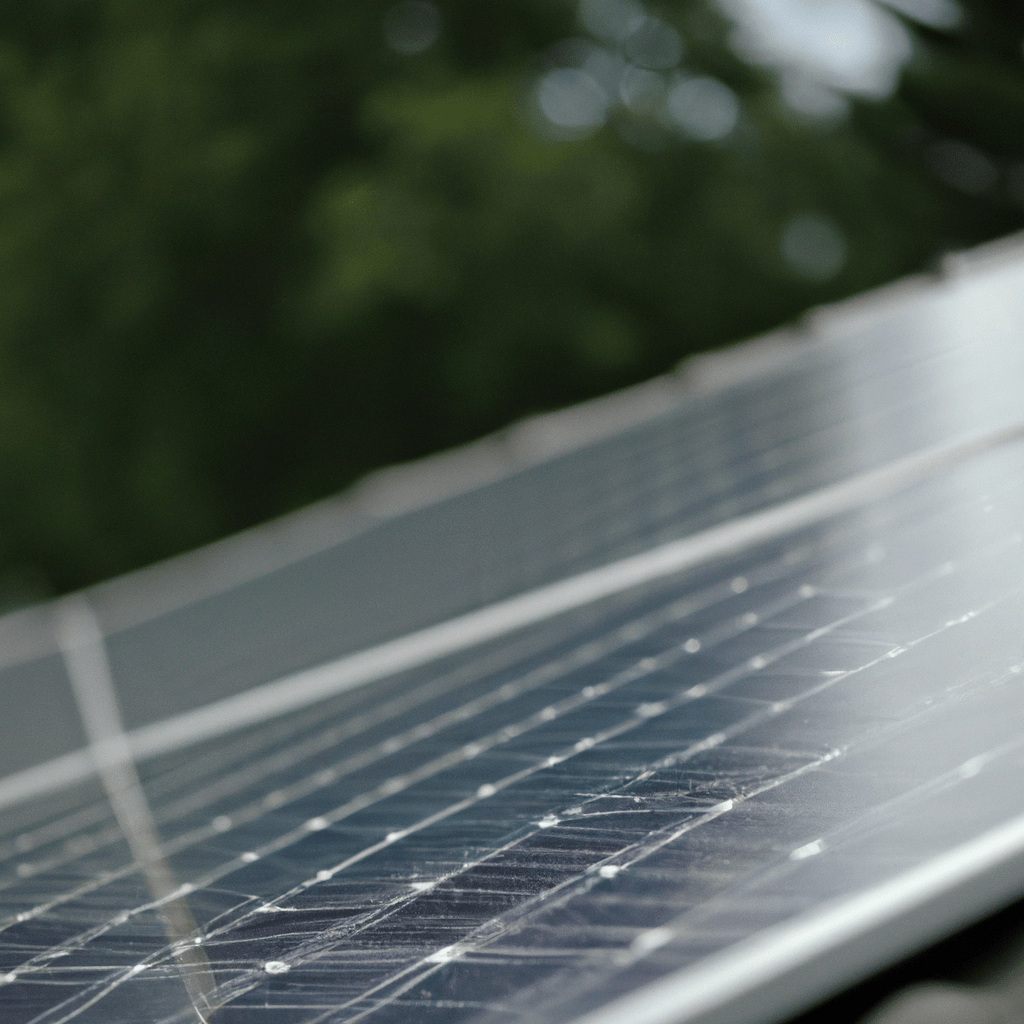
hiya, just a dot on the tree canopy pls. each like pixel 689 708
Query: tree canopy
pixel 249 251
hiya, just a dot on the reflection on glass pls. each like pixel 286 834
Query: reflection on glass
pixel 81 643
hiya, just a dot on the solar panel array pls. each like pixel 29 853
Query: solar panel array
pixel 601 813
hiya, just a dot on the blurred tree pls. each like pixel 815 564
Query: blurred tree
pixel 248 251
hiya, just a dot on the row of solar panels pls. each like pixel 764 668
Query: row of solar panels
pixel 698 703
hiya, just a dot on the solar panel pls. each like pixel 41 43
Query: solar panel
pixel 698 720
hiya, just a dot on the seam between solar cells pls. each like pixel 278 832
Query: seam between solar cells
pixel 301 689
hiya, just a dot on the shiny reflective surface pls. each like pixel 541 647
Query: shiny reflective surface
pixel 536 827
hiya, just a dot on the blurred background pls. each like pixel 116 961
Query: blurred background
pixel 252 249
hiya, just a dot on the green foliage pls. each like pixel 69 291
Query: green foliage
pixel 247 252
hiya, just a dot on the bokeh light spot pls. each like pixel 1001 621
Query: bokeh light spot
pixel 641 90
pixel 605 67
pixel 571 99
pixel 849 45
pixel 412 26
pixel 611 20
pixel 654 45
pixel 704 109
pixel 813 247
pixel 811 98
